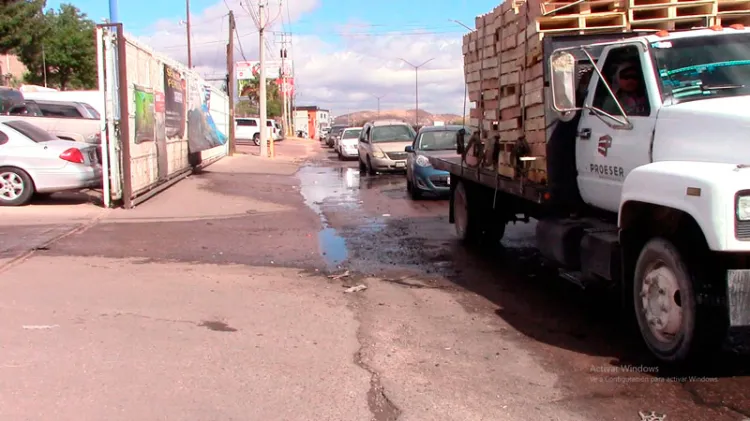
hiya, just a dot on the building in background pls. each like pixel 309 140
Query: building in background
pixel 11 69
pixel 311 119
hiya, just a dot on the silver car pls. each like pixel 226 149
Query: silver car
pixel 381 146
pixel 34 161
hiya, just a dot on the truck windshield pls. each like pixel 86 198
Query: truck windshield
pixel 703 67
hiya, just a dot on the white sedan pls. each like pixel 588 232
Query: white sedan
pixel 34 161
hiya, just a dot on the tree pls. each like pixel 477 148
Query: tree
pixel 19 23
pixel 273 97
pixel 63 46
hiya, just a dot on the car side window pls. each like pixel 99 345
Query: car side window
pixel 623 71
pixel 3 138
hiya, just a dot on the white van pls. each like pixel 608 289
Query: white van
pixel 248 128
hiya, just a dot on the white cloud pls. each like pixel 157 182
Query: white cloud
pixel 342 76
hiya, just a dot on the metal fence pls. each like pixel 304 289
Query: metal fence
pixel 174 121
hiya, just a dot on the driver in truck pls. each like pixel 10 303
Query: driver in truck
pixel 630 91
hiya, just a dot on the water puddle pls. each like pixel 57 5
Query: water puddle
pixel 335 189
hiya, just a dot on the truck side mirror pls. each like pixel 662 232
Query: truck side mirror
pixel 563 81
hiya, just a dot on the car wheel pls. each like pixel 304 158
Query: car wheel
pixel 666 306
pixel 370 169
pixel 256 139
pixel 362 166
pixel 16 187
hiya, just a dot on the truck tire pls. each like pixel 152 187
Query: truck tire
pixel 476 222
pixel 466 215
pixel 666 308
pixel 256 139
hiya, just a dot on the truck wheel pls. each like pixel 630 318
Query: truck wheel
pixel 465 215
pixel 256 139
pixel 666 308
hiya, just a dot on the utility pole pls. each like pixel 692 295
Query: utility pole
pixel 262 80
pixel 416 87
pixel 284 93
pixel 190 54
pixel 378 98
pixel 230 84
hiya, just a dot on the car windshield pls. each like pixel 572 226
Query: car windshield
pixel 31 131
pixel 436 140
pixel 351 134
pixel 395 132
pixel 337 130
pixel 703 67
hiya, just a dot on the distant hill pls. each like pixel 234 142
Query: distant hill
pixel 425 117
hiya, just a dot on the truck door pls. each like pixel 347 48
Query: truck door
pixel 606 153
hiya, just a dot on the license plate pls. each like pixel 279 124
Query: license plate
pixel 400 164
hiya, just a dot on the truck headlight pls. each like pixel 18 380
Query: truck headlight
pixel 378 154
pixel 743 208
pixel 422 161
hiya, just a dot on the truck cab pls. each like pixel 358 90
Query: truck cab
pixel 660 154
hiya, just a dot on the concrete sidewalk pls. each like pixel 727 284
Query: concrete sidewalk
pixel 180 309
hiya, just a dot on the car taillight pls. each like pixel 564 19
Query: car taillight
pixel 73 155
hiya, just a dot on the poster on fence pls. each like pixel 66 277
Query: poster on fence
pixel 175 102
pixel 145 118
pixel 202 131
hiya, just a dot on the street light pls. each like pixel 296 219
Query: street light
pixel 416 86
pixel 378 97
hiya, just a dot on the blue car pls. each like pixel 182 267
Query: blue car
pixel 421 177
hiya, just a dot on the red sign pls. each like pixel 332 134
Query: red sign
pixel 286 88
pixel 159 102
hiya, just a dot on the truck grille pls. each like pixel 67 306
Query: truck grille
pixel 742 230
pixel 396 156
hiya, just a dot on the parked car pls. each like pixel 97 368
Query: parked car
pixel 382 146
pixel 335 134
pixel 248 128
pixel 51 108
pixel 421 177
pixel 33 160
pixel 346 147
pixel 9 98
pixel 324 133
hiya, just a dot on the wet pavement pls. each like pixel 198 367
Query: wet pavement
pixel 603 370
pixel 247 252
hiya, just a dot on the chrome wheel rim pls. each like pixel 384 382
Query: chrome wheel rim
pixel 11 186
pixel 662 303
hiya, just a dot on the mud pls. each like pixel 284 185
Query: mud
pixel 410 244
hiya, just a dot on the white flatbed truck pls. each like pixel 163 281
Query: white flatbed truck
pixel 656 204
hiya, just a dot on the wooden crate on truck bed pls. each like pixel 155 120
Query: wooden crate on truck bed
pixel 504 62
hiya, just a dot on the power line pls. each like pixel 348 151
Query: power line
pixel 169 47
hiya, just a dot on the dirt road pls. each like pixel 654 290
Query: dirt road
pixel 223 298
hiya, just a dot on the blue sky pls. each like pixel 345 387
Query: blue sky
pixel 363 38
pixel 388 15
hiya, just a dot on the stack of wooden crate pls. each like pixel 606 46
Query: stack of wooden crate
pixel 503 58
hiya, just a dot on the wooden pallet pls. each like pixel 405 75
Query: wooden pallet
pixel 568 23
pixel 738 6
pixel 727 19
pixel 679 12
pixel 580 7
